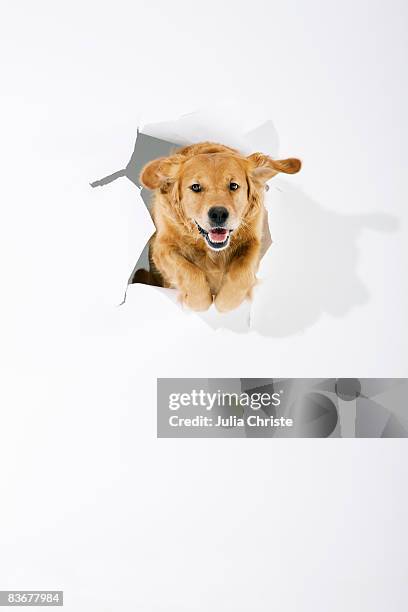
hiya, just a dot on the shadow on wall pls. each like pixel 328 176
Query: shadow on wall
pixel 311 267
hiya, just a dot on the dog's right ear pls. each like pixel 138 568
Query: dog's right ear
pixel 264 167
pixel 160 172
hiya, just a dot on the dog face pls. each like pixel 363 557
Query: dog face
pixel 214 194
pixel 213 187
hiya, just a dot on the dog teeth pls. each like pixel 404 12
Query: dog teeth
pixel 217 245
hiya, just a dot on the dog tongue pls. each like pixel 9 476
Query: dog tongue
pixel 218 234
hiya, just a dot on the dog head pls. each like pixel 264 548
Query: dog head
pixel 212 188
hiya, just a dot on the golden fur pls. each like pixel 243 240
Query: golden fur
pixel 180 255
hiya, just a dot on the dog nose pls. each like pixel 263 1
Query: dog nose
pixel 218 215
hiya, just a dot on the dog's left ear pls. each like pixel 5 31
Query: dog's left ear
pixel 160 172
pixel 263 167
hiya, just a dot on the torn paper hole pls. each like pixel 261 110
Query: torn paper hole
pixel 160 140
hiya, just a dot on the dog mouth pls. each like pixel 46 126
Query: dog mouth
pixel 217 237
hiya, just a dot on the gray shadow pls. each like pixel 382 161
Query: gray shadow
pixel 313 268
pixel 146 148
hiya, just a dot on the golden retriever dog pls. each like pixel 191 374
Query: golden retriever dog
pixel 209 215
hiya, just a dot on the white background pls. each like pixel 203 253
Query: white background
pixel 91 501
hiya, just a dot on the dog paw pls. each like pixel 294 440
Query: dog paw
pixel 197 300
pixel 228 299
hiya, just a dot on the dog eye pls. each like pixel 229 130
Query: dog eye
pixel 234 186
pixel 195 187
